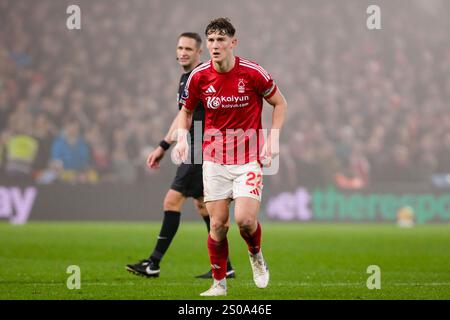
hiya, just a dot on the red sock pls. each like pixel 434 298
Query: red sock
pixel 218 255
pixel 253 240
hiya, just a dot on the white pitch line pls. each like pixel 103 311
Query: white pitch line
pixel 423 284
pixel 302 284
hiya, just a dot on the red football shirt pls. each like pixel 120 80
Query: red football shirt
pixel 233 105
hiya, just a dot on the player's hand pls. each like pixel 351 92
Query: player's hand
pixel 155 157
pixel 269 151
pixel 180 152
pixel 266 155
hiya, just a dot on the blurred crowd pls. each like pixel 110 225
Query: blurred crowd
pixel 365 106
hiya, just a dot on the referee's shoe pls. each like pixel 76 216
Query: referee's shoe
pixel 208 275
pixel 145 268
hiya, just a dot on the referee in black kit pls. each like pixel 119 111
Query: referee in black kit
pixel 188 181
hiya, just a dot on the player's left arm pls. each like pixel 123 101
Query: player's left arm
pixel 268 89
pixel 279 104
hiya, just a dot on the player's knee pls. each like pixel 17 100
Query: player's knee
pixel 218 225
pixel 246 224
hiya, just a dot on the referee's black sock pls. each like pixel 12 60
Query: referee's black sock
pixel 207 222
pixel 168 230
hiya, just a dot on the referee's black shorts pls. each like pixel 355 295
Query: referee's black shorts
pixel 189 180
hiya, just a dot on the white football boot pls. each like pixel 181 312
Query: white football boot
pixel 219 288
pixel 260 270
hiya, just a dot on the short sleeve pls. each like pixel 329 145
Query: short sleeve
pixel 265 85
pixel 190 97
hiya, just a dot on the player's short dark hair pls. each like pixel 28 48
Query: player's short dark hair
pixel 192 35
pixel 221 25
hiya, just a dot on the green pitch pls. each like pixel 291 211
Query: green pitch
pixel 306 261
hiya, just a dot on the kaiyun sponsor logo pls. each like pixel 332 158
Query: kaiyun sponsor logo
pixel 216 102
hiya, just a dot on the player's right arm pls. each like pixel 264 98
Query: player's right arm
pixel 184 123
pixel 179 128
pixel 189 102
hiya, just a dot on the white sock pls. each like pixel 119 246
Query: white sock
pixel 222 282
pixel 256 254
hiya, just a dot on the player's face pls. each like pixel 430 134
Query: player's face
pixel 220 46
pixel 188 55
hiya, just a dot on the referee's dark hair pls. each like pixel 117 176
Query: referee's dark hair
pixel 192 35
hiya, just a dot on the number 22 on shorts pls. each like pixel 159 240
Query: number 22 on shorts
pixel 251 176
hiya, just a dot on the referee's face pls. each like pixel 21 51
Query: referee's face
pixel 188 55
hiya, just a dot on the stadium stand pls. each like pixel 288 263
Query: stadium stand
pixel 359 112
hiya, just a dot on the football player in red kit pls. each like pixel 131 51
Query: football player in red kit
pixel 232 90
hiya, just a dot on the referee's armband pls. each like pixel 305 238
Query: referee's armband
pixel 165 145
